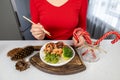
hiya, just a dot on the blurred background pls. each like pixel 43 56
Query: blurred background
pixel 103 16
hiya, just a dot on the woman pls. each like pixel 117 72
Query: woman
pixel 60 18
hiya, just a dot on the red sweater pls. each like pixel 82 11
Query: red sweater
pixel 59 21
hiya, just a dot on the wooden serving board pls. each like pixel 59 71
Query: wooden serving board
pixel 74 66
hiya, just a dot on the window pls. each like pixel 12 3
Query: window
pixel 107 11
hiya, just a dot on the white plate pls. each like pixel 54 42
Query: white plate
pixel 60 63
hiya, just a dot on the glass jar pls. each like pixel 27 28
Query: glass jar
pixel 90 53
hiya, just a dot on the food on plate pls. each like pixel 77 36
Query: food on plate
pixel 49 47
pixel 57 52
pixel 67 52
pixel 51 58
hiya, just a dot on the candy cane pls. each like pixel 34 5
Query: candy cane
pixel 93 53
pixel 80 32
pixel 107 34
pixel 77 32
pixel 84 53
pixel 88 52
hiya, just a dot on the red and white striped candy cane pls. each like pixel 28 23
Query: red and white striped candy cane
pixel 107 34
pixel 80 32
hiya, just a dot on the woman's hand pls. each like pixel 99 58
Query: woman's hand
pixel 37 31
pixel 80 42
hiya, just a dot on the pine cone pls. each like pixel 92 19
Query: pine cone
pixel 14 51
pixel 23 53
pixel 37 48
pixel 22 65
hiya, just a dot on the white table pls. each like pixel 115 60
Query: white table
pixel 107 68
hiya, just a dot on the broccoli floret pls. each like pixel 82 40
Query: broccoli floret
pixel 67 52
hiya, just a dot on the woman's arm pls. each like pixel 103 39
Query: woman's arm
pixel 34 11
pixel 83 14
pixel 36 29
pixel 82 22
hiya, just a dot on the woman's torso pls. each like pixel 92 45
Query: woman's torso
pixel 59 21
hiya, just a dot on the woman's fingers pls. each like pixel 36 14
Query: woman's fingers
pixel 37 31
pixel 80 43
pixel 39 36
pixel 36 27
pixel 75 41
